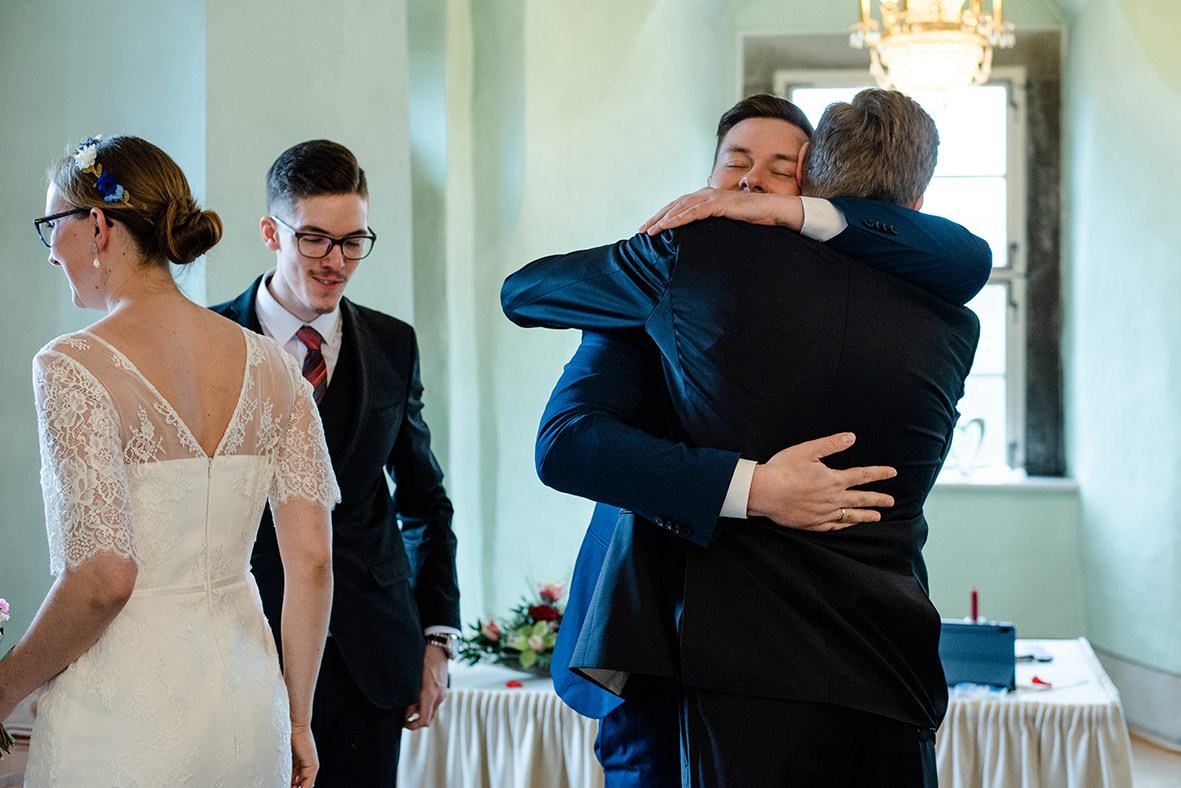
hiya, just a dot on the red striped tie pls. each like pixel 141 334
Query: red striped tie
pixel 314 368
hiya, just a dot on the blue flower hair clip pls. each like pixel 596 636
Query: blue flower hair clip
pixel 109 189
pixel 85 157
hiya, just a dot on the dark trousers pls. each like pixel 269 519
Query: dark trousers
pixel 358 743
pixel 731 741
pixel 639 743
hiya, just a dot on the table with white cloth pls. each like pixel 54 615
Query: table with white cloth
pixel 1070 734
pixel 1065 730
pixel 491 735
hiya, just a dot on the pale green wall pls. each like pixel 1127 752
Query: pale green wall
pixel 584 119
pixel 68 71
pixel 314 69
pixel 1124 357
pixel 1018 545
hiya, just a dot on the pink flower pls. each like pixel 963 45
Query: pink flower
pixel 550 591
pixel 537 643
pixel 544 613
pixel 490 631
pixel 3 610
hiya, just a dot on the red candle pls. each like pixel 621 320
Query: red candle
pixel 974 606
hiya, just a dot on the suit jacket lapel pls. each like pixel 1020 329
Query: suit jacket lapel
pixel 355 334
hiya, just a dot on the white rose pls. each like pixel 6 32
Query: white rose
pixel 85 156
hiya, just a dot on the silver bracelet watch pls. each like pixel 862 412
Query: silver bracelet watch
pixel 447 641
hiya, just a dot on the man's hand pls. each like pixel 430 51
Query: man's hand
pixel 753 207
pixel 434 689
pixel 796 490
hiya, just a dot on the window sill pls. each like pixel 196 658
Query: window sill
pixel 982 480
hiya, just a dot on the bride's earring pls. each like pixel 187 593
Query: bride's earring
pixel 94 248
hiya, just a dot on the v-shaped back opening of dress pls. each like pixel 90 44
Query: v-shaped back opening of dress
pixel 181 424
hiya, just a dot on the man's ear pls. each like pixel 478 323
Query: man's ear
pixel 802 165
pixel 918 204
pixel 270 233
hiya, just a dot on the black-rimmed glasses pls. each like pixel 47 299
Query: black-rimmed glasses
pixel 317 245
pixel 45 224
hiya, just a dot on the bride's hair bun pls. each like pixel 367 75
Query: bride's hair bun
pixel 138 184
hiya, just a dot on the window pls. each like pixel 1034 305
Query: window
pixel 980 183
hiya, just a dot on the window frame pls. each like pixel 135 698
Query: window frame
pixel 1013 273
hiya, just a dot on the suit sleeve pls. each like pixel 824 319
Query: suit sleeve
pixel 602 289
pixel 586 446
pixel 424 510
pixel 934 253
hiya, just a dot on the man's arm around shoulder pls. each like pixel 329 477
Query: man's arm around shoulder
pixel 937 254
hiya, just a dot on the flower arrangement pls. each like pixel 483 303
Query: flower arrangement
pixel 525 638
pixel 6 740
pixel 85 158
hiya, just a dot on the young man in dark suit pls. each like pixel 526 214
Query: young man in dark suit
pixel 395 614
pixel 725 360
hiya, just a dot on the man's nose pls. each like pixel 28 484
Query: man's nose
pixel 335 257
pixel 751 182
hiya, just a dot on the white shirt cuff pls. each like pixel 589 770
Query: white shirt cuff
pixel 442 630
pixel 739 493
pixel 822 220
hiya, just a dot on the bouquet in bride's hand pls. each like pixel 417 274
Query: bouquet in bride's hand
pixel 525 638
pixel 6 740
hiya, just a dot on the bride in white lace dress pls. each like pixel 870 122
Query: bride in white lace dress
pixel 164 429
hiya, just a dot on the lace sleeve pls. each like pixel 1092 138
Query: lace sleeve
pixel 303 468
pixel 83 478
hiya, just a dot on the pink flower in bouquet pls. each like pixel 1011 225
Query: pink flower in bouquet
pixel 3 611
pixel 544 613
pixel 525 638
pixel 550 592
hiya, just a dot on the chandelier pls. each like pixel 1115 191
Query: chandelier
pixel 924 46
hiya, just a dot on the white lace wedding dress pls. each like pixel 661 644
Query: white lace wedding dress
pixel 183 689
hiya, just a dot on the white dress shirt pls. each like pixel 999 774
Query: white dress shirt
pixel 280 325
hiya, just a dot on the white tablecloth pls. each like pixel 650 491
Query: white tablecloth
pixel 1070 735
pixel 488 735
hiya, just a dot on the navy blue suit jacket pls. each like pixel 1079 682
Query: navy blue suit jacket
pixel 390 582
pixel 602 415
pixel 955 264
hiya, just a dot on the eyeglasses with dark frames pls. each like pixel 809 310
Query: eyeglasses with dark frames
pixel 315 246
pixel 46 224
